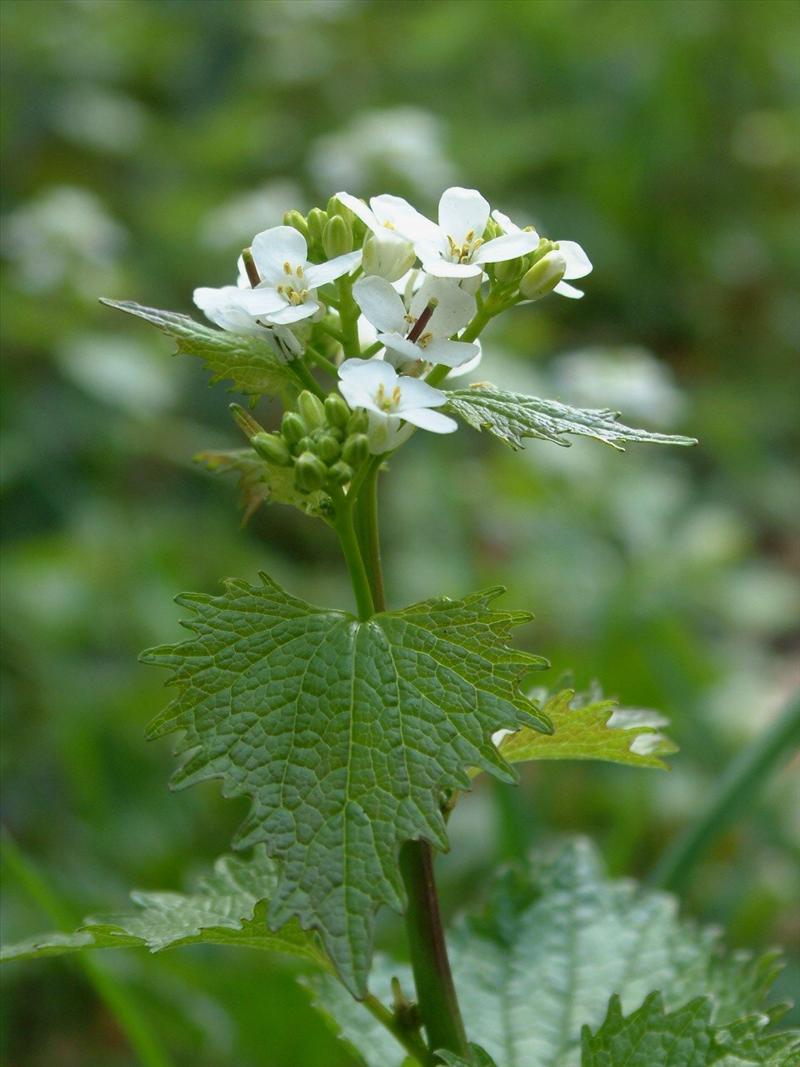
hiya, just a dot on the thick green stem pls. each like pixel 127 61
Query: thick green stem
pixel 142 1039
pixel 735 790
pixel 351 550
pixel 433 979
pixel 306 378
pixel 348 315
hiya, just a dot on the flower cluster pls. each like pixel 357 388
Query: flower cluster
pixel 388 301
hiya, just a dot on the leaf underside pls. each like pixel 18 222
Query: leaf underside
pixel 345 734
pixel 511 417
pixel 227 908
pixel 596 730
pixel 551 948
pixel 248 362
pixel 261 482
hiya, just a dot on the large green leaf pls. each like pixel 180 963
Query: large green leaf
pixel 478 1058
pixel 345 734
pixel 514 416
pixel 251 364
pixel 261 482
pixel 227 908
pixel 687 1037
pixel 552 947
pixel 592 729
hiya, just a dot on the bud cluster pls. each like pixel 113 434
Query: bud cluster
pixel 329 233
pixel 325 442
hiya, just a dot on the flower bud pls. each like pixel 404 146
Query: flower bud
pixel 341 473
pixel 336 410
pixel 358 421
pixel 245 421
pixel 543 276
pixel 294 219
pixel 337 237
pixel 311 409
pixel 387 255
pixel 292 427
pixel 356 449
pixel 272 448
pixel 310 472
pixel 328 448
pixel 508 270
pixel 305 444
pixel 316 220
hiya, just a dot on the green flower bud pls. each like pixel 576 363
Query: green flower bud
pixel 341 473
pixel 245 421
pixel 311 409
pixel 543 276
pixel 272 448
pixel 292 427
pixel 492 230
pixel 508 271
pixel 356 449
pixel 310 472
pixel 337 410
pixel 296 221
pixel 338 433
pixel 328 448
pixel 316 220
pixel 337 237
pixel 358 422
pixel 305 444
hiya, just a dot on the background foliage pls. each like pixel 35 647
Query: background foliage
pixel 145 142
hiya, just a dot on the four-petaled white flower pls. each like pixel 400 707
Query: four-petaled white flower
pixel 287 291
pixel 391 253
pixel 236 309
pixel 576 263
pixel 454 248
pixel 419 326
pixel 395 404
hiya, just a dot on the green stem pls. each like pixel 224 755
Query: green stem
pixel 305 376
pixel 144 1042
pixel 407 1038
pixel 735 790
pixel 322 361
pixel 351 550
pixel 348 315
pixel 433 979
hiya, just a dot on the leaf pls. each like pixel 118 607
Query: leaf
pixel 253 367
pixel 227 908
pixel 651 1037
pixel 514 416
pixel 261 482
pixel 597 730
pixel 345 734
pixel 553 945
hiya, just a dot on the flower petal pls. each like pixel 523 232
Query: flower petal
pixel 578 263
pixel 360 210
pixel 381 304
pixel 509 246
pixel 418 394
pixel 443 268
pixel 468 367
pixel 449 353
pixel 434 421
pixel 401 346
pixel 399 215
pixel 504 222
pixel 321 273
pixel 368 373
pixel 461 212
pixel 291 313
pixel 565 289
pixel 454 309
pixel 274 247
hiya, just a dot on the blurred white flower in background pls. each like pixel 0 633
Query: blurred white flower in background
pixel 64 235
pixel 100 118
pixel 404 143
pixel 120 372
pixel 234 222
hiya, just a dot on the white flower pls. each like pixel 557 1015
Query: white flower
pixel 576 263
pixel 455 247
pixel 236 309
pixel 287 290
pixel 390 401
pixel 386 253
pixel 409 329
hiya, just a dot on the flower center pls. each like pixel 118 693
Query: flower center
pixel 387 403
pixel 293 290
pixel 464 253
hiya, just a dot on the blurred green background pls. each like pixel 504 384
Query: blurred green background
pixel 145 143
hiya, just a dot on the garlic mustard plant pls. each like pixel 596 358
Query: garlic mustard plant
pixel 355 731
